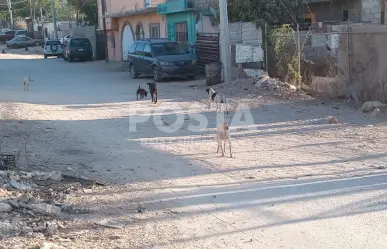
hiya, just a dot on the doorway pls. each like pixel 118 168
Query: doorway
pixel 181 34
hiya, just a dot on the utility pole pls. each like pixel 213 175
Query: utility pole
pixel 10 12
pixel 31 17
pixel 54 19
pixel 104 30
pixel 225 41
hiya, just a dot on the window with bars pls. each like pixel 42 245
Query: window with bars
pixel 154 31
pixel 181 29
pixel 147 3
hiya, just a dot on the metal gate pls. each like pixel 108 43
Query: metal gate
pixel 100 45
pixel 207 50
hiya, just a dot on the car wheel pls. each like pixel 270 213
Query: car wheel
pixel 133 72
pixel 156 74
pixel 191 77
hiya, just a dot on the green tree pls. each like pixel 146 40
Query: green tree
pixel 269 11
pixel 86 10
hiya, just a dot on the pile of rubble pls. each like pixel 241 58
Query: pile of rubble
pixel 34 203
pixel 264 81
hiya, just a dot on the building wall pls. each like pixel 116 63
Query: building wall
pixel 186 16
pixel 115 50
pixel 327 11
pixel 370 11
pixel 118 6
pixel 367 48
pixel 203 4
pixel 359 11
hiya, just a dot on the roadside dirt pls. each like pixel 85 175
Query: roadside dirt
pixel 293 172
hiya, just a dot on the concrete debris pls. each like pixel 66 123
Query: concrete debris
pixel 332 120
pixel 292 88
pixel 262 81
pixel 30 202
pixel 3 173
pixel 53 176
pixel 49 245
pixel 369 106
pixel 375 113
pixel 47 209
pixel 111 224
pixel 271 84
pixel 19 185
pixel 5 207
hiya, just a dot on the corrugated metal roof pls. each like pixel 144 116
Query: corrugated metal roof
pixel 251 35
pixel 235 30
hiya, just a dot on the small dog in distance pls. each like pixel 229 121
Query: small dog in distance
pixel 141 92
pixel 154 91
pixel 26 82
pixel 216 97
pixel 223 135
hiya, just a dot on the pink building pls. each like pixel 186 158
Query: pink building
pixel 129 20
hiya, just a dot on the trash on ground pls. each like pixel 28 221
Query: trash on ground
pixel 111 224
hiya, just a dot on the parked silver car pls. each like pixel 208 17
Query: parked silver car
pixel 21 42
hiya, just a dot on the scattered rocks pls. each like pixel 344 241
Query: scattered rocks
pixel 30 202
pixel 332 120
pixel 369 106
pixel 292 88
pixel 375 113
pixel 46 209
pixel 111 224
pixel 5 207
pixel 49 245
pixel 19 185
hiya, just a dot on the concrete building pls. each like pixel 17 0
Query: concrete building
pixel 185 18
pixel 370 11
pixel 179 20
pixel 128 20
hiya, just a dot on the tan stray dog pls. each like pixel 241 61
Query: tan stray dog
pixel 26 82
pixel 223 135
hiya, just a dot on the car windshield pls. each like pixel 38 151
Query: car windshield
pixel 167 48
pixel 49 43
pixel 80 42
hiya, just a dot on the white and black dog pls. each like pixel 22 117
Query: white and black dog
pixel 26 82
pixel 216 97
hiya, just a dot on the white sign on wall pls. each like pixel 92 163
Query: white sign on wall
pixel 246 53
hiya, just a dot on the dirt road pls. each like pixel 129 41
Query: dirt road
pixel 295 181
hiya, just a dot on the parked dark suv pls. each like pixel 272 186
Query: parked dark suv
pixel 77 48
pixel 162 58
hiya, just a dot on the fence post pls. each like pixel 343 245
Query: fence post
pixel 298 55
pixel 266 52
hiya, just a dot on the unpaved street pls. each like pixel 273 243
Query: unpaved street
pixel 295 182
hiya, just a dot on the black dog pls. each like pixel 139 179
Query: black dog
pixel 154 91
pixel 141 92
